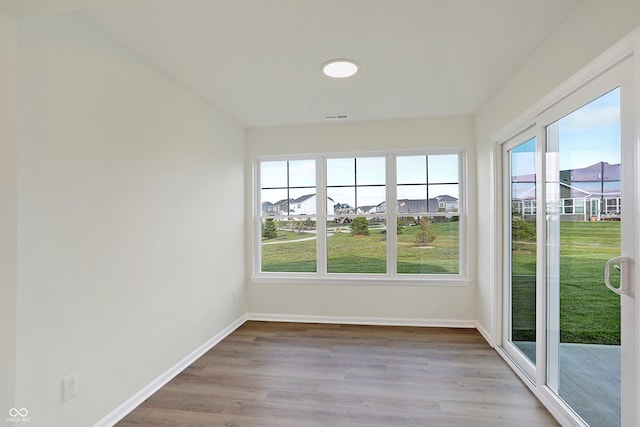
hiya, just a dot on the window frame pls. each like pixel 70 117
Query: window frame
pixel 391 277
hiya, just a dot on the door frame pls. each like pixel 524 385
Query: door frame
pixel 626 49
pixel 524 364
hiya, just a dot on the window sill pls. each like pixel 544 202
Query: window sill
pixel 360 280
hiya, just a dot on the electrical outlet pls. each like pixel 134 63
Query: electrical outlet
pixel 69 386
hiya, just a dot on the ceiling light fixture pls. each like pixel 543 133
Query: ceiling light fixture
pixel 340 68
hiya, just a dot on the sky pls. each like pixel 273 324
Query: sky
pixel 589 135
pixel 369 173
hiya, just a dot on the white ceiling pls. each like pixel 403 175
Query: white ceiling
pixel 259 60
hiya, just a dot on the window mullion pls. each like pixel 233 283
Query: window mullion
pixel 321 218
pixel 257 214
pixel 391 197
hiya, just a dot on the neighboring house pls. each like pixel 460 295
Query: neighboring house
pixel 268 208
pixel 281 207
pixel 600 179
pixel 585 193
pixel 303 205
pixel 371 209
pixel 307 205
pixel 444 203
pixel 417 205
pixel 447 203
pixel 345 208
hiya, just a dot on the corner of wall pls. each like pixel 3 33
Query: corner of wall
pixel 8 209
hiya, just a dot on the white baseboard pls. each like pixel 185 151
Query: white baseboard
pixel 485 334
pixel 134 401
pixel 380 321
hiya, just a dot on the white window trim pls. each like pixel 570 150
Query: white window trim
pixel 391 277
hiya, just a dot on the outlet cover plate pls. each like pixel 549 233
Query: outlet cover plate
pixel 69 386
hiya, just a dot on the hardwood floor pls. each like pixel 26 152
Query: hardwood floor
pixel 299 375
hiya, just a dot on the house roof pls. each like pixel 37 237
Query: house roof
pixel 302 198
pixel 587 174
pixel 592 173
pixel 306 197
pixel 282 202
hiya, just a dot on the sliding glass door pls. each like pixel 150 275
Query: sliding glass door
pixel 583 164
pixel 570 213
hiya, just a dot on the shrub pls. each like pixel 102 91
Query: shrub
pixel 359 226
pixel 521 230
pixel 425 235
pixel 400 226
pixel 269 229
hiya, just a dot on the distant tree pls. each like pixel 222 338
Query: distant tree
pixel 522 230
pixel 425 235
pixel 359 226
pixel 400 226
pixel 269 229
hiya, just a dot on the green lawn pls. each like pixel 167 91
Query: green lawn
pixel 365 254
pixel 438 257
pixel 290 256
pixel 589 312
pixel 357 254
pixel 287 235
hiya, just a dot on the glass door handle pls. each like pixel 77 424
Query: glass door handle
pixel 619 263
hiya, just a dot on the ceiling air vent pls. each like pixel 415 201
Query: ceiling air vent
pixel 336 117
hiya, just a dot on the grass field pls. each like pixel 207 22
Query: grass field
pixel 289 252
pixel 589 312
pixel 365 254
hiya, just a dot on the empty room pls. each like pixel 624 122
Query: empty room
pixel 319 213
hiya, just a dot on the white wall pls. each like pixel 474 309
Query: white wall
pixel 127 255
pixel 593 27
pixel 8 210
pixel 393 300
pixel 128 252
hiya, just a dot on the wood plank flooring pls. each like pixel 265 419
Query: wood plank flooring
pixel 313 375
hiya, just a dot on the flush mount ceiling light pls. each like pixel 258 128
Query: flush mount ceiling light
pixel 340 68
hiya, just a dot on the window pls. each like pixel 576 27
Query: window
pixel 377 216
pixel 288 209
pixel 428 201
pixel 356 234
